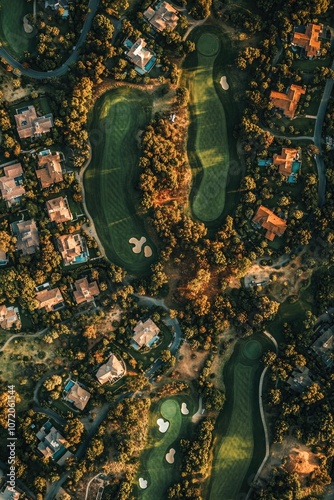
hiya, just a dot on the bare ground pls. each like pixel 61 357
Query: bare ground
pixel 190 364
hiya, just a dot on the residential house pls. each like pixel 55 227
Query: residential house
pixel 111 371
pixel 59 210
pixel 28 124
pixel 50 300
pixel 163 16
pixel 49 168
pixel 9 493
pixel 9 316
pixel 56 5
pixel 26 234
pixel 324 346
pixel 73 249
pixel 143 59
pixel 145 334
pixel 11 184
pixel 274 225
pixel 52 444
pixel 84 291
pixel 300 379
pixel 288 163
pixel 309 40
pixel 77 395
pixel 287 102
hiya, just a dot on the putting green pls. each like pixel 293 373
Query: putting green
pixel 209 126
pixel 239 426
pixel 110 178
pixel 11 26
pixel 154 467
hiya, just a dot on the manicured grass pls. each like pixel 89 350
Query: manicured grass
pixel 239 445
pixel 11 26
pixel 211 142
pixel 154 467
pixel 110 179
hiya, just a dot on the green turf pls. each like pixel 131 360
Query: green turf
pixel 11 26
pixel 111 176
pixel 239 447
pixel 211 142
pixel 154 467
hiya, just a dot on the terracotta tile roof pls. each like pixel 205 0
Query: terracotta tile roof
pixel 58 210
pixel 26 234
pixel 78 396
pixel 284 160
pixel 287 102
pixel 48 299
pixel 309 40
pixel 29 124
pixel 71 246
pixel 164 16
pixel 111 370
pixel 49 171
pixel 138 55
pixel 10 188
pixel 145 332
pixel 8 317
pixel 85 292
pixel 274 225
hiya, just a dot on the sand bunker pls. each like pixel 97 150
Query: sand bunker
pixel 170 456
pixel 137 244
pixel 142 483
pixel 223 83
pixel 26 25
pixel 147 251
pixel 184 409
pixel 163 425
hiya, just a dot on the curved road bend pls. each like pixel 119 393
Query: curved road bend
pixel 40 75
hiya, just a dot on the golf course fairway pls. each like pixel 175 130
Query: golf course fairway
pixel 14 39
pixel 209 127
pixel 154 467
pixel 110 178
pixel 239 427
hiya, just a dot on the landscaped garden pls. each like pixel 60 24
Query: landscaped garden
pixel 170 421
pixel 239 446
pixel 118 117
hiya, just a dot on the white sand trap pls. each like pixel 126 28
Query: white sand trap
pixel 170 456
pixel 26 25
pixel 137 244
pixel 223 83
pixel 142 483
pixel 163 425
pixel 184 409
pixel 147 251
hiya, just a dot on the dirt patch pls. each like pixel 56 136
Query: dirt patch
pixel 189 363
pixel 220 360
pixel 302 462
pixel 12 94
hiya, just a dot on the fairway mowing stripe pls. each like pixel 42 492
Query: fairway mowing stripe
pixel 118 221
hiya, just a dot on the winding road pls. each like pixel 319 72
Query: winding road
pixel 55 73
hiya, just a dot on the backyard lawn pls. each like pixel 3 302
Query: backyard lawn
pixel 110 179
pixel 154 467
pixel 11 26
pixel 239 445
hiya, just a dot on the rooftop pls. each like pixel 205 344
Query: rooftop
pixel 28 124
pixel 58 210
pixel 274 225
pixel 145 332
pixel 9 494
pixel 26 234
pixel 52 444
pixel 84 291
pixel 11 184
pixel 9 317
pixel 309 40
pixel 73 248
pixel 49 299
pixel 111 370
pixel 49 169
pixel 285 161
pixel 300 379
pixel 78 396
pixel 163 16
pixel 324 345
pixel 287 102
pixel 142 58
